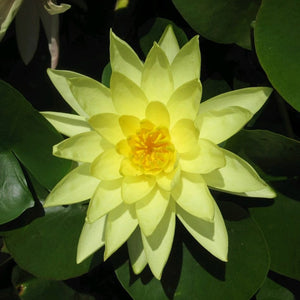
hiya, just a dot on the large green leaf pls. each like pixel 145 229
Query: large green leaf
pixel 280 224
pixel 31 288
pixel 15 196
pixel 27 133
pixel 156 31
pixel 222 21
pixel 193 273
pixel 274 291
pixel 277 43
pixel 47 247
pixel 275 154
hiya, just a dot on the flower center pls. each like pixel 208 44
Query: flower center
pixel 151 149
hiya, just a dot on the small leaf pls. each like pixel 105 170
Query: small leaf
pixel 214 87
pixel 220 21
pixel 15 196
pixel 277 43
pixel 27 133
pixel 47 246
pixel 106 74
pixel 276 154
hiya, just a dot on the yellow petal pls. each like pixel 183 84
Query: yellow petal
pixel 204 158
pixel 124 60
pixel 158 114
pixel 136 252
pixel 211 235
pixel 93 97
pixel 167 181
pixel 184 136
pixel 120 224
pixel 108 126
pixel 76 186
pixel 192 194
pixel 84 147
pixel 60 80
pixel 184 102
pixel 157 82
pixel 158 245
pixel 151 209
pixel 106 197
pixel 128 98
pixel 237 176
pixel 168 43
pixel 251 99
pixel 186 64
pixel 67 124
pixel 136 188
pixel 128 169
pixel 129 125
pixel 266 192
pixel 107 165
pixel 218 126
pixel 91 239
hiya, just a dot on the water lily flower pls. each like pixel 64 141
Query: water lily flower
pixel 28 14
pixel 148 152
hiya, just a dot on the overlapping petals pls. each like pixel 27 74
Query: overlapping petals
pixel 149 152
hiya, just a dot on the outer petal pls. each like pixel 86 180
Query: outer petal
pixel 266 192
pixel 60 81
pixel 168 43
pixel 106 197
pixel 136 188
pixel 27 29
pixel 151 209
pixel 212 236
pixel 184 136
pixel 158 114
pixel 120 224
pixel 204 158
pixel 158 245
pixel 186 65
pixel 194 197
pixel 136 252
pixel 237 176
pixel 124 60
pixel 84 147
pixel 184 102
pixel 107 165
pixel 67 124
pixel 8 10
pixel 218 126
pixel 108 126
pixel 128 98
pixel 251 99
pixel 157 82
pixel 92 96
pixel 76 186
pixel 91 239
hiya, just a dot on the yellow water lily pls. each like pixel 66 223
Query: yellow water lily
pixel 148 152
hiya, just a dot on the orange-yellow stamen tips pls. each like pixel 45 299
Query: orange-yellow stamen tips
pixel 151 148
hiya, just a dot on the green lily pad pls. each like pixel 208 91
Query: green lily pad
pixel 30 136
pixel 222 21
pixel 156 31
pixel 193 273
pixel 280 224
pixel 277 43
pixel 274 291
pixel 31 288
pixel 275 154
pixel 15 196
pixel 47 246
